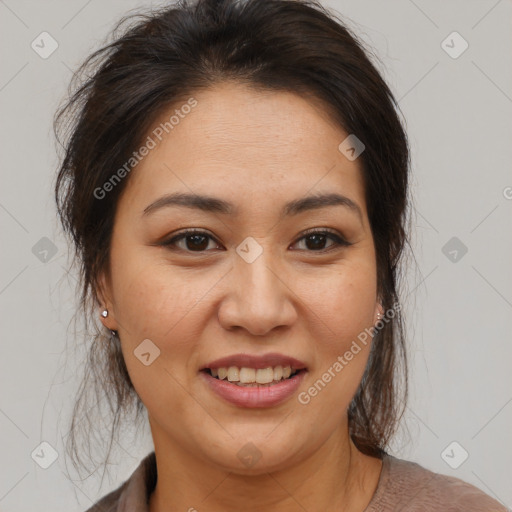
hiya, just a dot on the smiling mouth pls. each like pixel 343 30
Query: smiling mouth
pixel 253 377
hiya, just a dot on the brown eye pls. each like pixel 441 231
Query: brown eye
pixel 191 241
pixel 315 241
pixel 196 242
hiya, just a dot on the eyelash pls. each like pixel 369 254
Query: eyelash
pixel 338 240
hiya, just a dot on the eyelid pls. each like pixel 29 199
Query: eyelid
pixel 329 231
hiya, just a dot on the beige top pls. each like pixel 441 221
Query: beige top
pixel 403 487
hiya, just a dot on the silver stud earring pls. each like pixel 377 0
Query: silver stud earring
pixel 104 313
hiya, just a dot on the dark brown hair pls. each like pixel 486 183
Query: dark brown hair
pixel 160 57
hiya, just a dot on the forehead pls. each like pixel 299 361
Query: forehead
pixel 240 142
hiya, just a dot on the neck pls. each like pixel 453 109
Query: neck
pixel 337 476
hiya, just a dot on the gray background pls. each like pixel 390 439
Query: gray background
pixel 458 113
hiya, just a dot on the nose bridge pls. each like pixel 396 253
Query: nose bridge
pixel 258 299
pixel 259 276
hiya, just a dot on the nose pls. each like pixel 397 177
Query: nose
pixel 258 299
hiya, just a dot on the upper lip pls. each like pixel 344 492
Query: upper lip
pixel 253 361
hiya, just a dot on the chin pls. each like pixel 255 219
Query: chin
pixel 256 454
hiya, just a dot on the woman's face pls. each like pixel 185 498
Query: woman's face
pixel 251 283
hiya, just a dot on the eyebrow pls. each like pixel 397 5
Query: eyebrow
pixel 216 205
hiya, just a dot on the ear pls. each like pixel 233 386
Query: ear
pixel 104 294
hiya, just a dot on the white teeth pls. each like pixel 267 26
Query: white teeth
pixel 264 375
pixel 246 375
pixel 233 374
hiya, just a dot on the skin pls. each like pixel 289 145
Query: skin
pixel 257 150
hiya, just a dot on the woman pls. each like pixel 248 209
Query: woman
pixel 235 184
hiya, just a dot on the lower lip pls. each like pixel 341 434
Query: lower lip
pixel 245 396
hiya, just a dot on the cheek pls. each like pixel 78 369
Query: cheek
pixel 166 304
pixel 155 302
pixel 342 306
pixel 343 300
pixel 345 307
pixel 150 301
